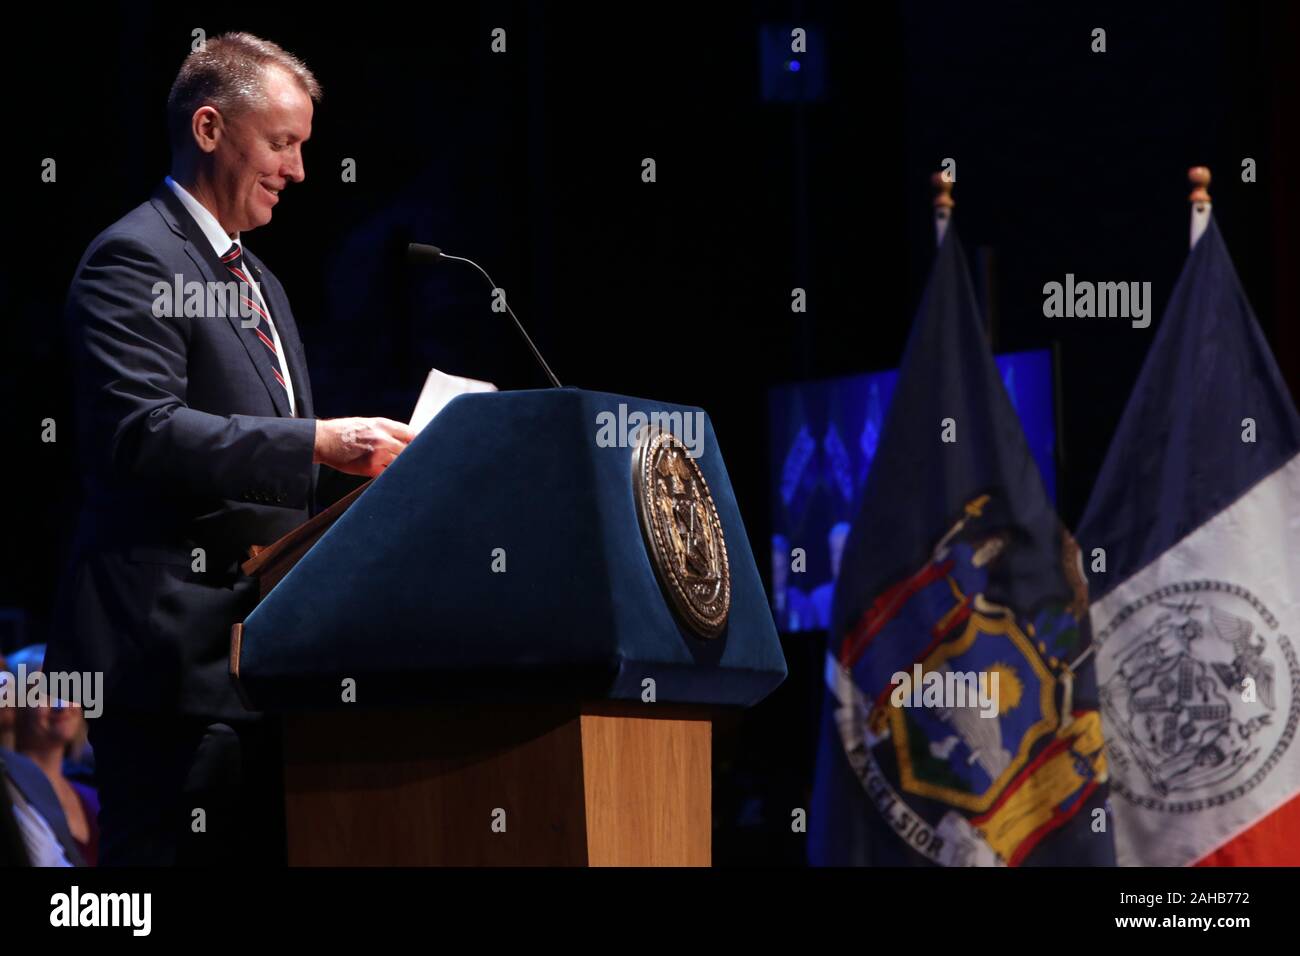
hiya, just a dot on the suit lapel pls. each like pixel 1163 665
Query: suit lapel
pixel 209 264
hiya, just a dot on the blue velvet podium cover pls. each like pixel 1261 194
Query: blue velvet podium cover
pixel 401 594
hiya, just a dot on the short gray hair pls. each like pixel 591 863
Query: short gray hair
pixel 227 72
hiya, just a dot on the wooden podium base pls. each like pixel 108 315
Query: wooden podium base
pixel 600 784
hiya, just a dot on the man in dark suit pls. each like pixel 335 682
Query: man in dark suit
pixel 197 440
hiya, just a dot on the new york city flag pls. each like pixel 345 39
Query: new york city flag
pixel 1192 537
pixel 954 730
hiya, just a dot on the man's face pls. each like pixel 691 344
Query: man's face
pixel 259 152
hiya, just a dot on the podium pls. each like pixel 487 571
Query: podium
pixel 508 648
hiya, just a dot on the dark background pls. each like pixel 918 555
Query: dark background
pixel 530 162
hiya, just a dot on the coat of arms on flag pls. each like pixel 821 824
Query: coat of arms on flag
pixel 1199 694
pixel 1000 782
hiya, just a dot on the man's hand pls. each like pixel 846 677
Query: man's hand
pixel 360 446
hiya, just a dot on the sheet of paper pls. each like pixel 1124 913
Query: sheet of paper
pixel 439 389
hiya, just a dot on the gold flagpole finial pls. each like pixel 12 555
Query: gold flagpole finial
pixel 943 204
pixel 1199 177
pixel 942 192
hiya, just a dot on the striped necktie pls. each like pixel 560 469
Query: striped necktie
pixel 234 261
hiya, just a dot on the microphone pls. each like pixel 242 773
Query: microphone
pixel 419 253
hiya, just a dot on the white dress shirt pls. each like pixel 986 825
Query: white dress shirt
pixel 220 241
pixel 43 847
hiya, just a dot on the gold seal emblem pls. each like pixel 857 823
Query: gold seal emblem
pixel 682 531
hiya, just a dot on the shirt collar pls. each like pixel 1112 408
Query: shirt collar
pixel 216 236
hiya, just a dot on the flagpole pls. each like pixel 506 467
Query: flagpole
pixel 943 203
pixel 1078 662
pixel 1199 177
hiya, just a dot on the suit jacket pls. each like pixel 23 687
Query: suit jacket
pixel 39 794
pixel 13 851
pixel 186 442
